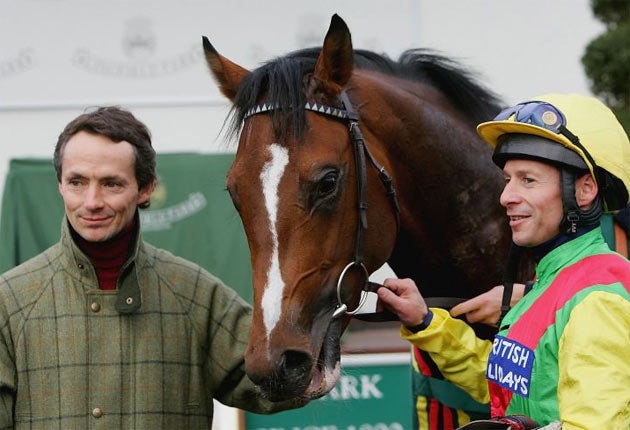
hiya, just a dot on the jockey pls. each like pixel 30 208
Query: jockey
pixel 560 357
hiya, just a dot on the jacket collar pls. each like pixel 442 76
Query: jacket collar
pixel 129 297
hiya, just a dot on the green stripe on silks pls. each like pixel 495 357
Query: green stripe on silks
pixel 449 395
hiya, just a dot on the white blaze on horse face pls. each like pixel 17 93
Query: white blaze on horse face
pixel 270 176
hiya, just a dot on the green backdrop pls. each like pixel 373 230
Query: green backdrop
pixel 191 215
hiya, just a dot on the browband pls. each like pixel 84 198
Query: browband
pixel 315 107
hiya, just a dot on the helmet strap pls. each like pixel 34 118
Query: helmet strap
pixel 569 204
pixel 575 217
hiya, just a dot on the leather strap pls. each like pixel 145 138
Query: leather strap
pixel 382 314
pixel 509 277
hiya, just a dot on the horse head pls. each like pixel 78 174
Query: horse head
pixel 320 132
pixel 294 184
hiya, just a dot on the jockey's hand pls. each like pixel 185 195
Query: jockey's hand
pixel 401 296
pixel 486 308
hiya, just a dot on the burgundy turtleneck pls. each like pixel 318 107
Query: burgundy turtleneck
pixel 108 256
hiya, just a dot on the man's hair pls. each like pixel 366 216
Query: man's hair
pixel 118 125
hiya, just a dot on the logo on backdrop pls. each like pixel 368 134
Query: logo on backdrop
pixel 162 219
pixel 139 40
pixel 18 63
pixel 138 44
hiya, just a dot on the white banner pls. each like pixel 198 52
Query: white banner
pixel 81 52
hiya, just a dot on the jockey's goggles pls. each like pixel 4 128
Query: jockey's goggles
pixel 547 116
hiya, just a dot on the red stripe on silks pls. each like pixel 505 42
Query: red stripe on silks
pixel 499 399
pixel 529 328
pixel 422 365
pixel 448 419
pixel 434 409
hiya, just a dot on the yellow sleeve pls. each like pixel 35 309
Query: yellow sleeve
pixel 594 364
pixel 460 355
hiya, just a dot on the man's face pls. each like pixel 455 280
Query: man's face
pixel 98 185
pixel 533 201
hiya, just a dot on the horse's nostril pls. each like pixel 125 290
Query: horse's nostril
pixel 295 363
pixel 288 376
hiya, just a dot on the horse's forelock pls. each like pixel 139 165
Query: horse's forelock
pixel 281 83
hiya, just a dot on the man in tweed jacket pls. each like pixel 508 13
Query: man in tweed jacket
pixel 103 330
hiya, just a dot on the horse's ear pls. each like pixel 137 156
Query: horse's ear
pixel 227 74
pixel 336 61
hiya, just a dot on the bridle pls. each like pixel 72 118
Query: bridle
pixel 360 150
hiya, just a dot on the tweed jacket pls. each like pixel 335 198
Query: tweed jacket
pixel 151 354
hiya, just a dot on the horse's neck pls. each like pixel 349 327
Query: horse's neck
pixel 441 167
pixel 454 237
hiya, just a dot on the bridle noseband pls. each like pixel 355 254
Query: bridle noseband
pixel 360 151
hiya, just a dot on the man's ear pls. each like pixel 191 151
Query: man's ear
pixel 586 191
pixel 145 192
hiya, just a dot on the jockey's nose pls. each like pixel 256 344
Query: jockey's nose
pixel 509 195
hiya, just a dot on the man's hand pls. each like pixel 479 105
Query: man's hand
pixel 401 296
pixel 486 308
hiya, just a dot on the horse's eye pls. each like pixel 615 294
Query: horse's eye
pixel 323 190
pixel 327 184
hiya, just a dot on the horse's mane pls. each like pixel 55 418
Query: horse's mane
pixel 282 81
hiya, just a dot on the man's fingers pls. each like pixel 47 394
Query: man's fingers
pixel 393 284
pixel 464 308
pixel 473 317
pixel 385 292
pixel 458 310
pixel 389 297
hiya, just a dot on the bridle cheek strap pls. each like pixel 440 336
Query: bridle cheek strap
pixel 358 144
pixel 360 151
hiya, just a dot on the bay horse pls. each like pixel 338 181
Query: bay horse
pixel 346 160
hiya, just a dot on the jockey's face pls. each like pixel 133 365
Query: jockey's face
pixel 533 201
